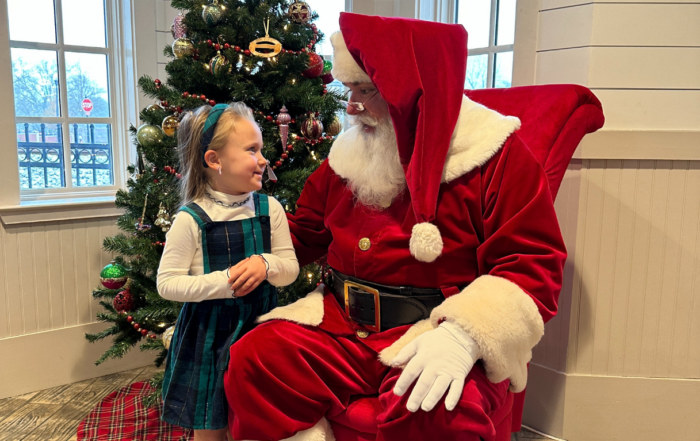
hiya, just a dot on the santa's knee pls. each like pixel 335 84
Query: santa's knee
pixel 261 353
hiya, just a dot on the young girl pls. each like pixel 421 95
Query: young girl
pixel 224 230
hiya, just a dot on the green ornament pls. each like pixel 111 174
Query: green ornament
pixel 327 66
pixel 149 135
pixel 218 63
pixel 212 13
pixel 113 276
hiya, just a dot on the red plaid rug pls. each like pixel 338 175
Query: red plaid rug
pixel 122 416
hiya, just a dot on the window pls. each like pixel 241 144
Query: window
pixel 61 70
pixel 328 22
pixel 491 28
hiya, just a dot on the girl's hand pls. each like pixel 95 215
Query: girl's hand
pixel 247 275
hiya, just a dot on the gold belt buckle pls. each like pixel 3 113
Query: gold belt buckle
pixel 368 290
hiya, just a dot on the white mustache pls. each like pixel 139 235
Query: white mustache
pixel 363 119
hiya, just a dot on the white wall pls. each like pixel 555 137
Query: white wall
pixel 622 358
pixel 51 258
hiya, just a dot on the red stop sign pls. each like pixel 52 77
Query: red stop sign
pixel 87 106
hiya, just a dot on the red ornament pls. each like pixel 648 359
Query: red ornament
pixel 136 326
pixel 163 104
pixel 178 176
pixel 294 121
pixel 155 181
pixel 284 156
pixel 129 319
pixel 312 128
pixel 209 42
pixel 185 94
pixel 247 52
pixel 227 46
pixel 202 97
pixel 278 163
pixel 144 332
pixel 237 48
pixel 290 148
pixel 268 117
pixel 123 301
pixel 217 46
pixel 212 102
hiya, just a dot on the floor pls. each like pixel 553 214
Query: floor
pixel 54 414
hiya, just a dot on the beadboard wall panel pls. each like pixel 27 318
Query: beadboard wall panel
pixel 49 271
pixel 635 305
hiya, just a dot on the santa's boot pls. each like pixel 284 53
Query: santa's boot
pixel 320 432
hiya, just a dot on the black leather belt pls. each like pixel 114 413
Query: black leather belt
pixel 380 307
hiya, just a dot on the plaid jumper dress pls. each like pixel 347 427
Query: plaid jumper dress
pixel 193 387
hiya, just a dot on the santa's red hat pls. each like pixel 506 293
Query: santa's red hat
pixel 419 69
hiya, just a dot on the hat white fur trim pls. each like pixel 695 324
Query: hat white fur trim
pixel 345 68
pixel 426 242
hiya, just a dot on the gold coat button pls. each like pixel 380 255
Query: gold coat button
pixel 362 333
pixel 365 244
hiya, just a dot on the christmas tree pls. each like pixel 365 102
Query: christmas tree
pixel 258 52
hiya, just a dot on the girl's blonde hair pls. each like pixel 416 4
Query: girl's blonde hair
pixel 189 138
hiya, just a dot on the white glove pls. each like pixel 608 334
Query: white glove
pixel 442 357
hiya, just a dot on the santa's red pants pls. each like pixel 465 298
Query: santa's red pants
pixel 283 377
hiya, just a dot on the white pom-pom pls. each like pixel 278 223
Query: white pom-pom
pixel 426 242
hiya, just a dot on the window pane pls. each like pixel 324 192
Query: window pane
pixel 506 22
pixel 477 71
pixel 84 23
pixel 91 155
pixel 32 20
pixel 86 78
pixel 35 81
pixel 504 70
pixel 475 15
pixel 40 155
pixel 329 14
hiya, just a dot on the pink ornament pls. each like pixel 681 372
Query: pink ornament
pixel 178 29
pixel 284 119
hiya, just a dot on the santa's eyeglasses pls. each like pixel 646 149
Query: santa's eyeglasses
pixel 360 107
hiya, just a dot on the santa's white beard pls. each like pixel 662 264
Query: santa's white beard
pixel 369 161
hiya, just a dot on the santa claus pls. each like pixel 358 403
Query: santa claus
pixel 445 251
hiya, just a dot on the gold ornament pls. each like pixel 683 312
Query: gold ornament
pixel 169 125
pixel 183 47
pixel 266 43
pixel 153 108
pixel 163 219
pixel 335 127
pixel 149 135
pixel 168 336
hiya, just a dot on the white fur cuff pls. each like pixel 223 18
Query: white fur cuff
pixel 345 68
pixel 503 320
pixel 305 311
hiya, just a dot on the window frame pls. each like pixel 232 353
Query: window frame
pixel 118 119
pixel 447 11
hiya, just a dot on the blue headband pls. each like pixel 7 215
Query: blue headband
pixel 209 127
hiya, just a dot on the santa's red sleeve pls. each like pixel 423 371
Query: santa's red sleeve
pixel 310 236
pixel 520 259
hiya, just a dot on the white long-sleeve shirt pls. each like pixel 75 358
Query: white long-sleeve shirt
pixel 181 272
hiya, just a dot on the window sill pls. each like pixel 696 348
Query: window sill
pixel 59 210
